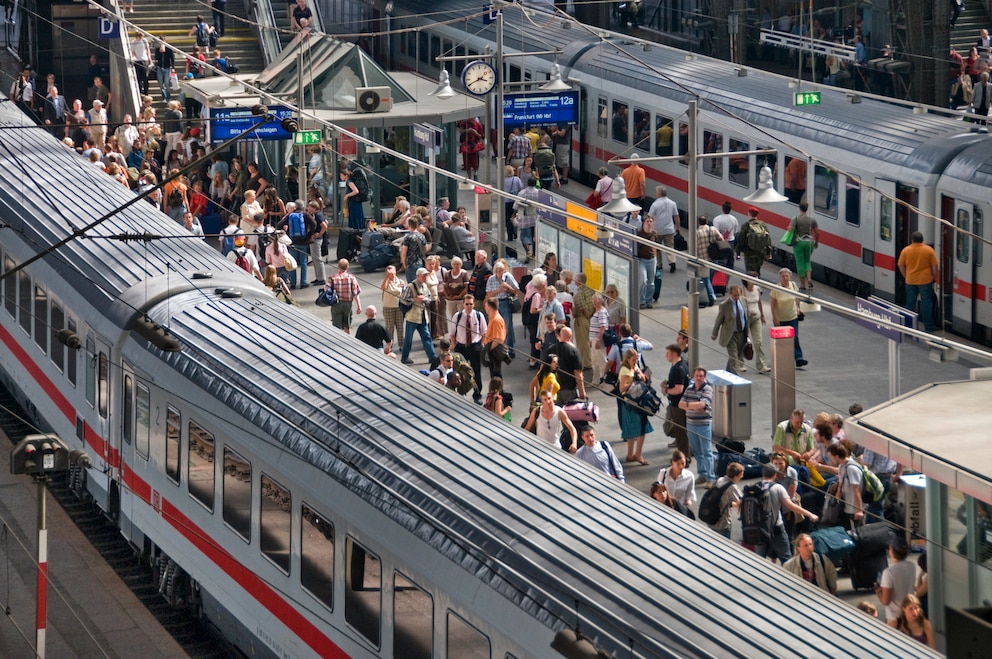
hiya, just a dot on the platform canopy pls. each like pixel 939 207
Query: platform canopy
pixel 941 430
pixel 331 72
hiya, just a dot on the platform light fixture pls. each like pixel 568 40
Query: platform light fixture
pixel 766 192
pixel 555 83
pixel 444 90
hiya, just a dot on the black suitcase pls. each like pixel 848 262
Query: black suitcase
pixel 378 257
pixel 873 539
pixel 865 571
pixel 349 242
pixel 657 283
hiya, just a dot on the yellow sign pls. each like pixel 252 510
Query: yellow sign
pixel 584 229
pixel 594 274
pixel 685 319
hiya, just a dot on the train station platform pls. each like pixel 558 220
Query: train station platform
pixel 91 611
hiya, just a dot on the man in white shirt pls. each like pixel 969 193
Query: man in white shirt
pixel 728 226
pixel 665 214
pixel 468 326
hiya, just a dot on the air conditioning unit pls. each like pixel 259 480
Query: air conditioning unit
pixel 373 99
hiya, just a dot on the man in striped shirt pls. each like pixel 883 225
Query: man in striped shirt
pixel 347 289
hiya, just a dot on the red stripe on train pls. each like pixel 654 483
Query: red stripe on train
pixel 264 594
pixel 832 240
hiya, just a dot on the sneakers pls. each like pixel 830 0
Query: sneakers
pixel 671 267
pixel 800 363
pixel 707 485
pixel 673 444
pixel 700 480
pixel 407 361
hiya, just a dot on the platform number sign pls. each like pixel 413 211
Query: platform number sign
pixel 108 29
pixel 806 98
pixel 491 13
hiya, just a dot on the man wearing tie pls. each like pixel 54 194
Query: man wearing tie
pixel 731 328
pixel 54 112
pixel 980 98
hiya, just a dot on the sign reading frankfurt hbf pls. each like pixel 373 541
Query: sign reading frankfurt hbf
pixel 541 108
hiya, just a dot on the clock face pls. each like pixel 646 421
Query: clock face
pixel 479 78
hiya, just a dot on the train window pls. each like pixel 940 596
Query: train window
pixel 200 470
pixel 41 318
pixel 465 641
pixel 317 556
pixel 435 51
pixel 173 447
pixel 103 382
pixel 886 211
pixel 795 179
pixel 739 167
pixel 683 141
pixel 90 357
pixel 459 64
pixel 24 300
pixel 413 619
pixel 619 120
pixel 127 412
pixel 713 143
pixel 963 223
pixel 825 190
pixel 423 49
pixel 9 293
pixel 642 130
pixel 602 118
pixel 275 528
pixel 70 366
pixel 978 231
pixel 363 591
pixel 142 420
pixel 515 74
pixel 662 135
pixel 58 349
pixel 236 497
pixel 852 201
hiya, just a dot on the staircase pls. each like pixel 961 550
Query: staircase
pixel 173 20
pixel 964 34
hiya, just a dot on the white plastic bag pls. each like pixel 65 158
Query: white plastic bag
pixel 173 81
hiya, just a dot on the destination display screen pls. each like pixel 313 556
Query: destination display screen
pixel 225 123
pixel 541 108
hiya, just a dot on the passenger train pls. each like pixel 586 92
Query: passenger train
pixel 310 497
pixel 869 157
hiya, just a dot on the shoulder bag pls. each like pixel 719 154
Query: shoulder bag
pixel 291 263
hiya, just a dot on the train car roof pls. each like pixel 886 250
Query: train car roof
pixel 881 130
pixel 972 166
pixel 45 179
pixel 500 503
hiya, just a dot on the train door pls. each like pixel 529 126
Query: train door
pixel 122 480
pixel 961 297
pixel 881 206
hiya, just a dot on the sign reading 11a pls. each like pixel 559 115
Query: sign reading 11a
pixel 807 98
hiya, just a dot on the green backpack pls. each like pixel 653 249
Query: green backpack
pixel 872 489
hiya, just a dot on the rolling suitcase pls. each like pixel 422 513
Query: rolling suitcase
pixel 371 239
pixel 378 257
pixel 581 411
pixel 657 282
pixel 349 243
pixel 865 570
pixel 719 282
pixel 873 539
pixel 834 542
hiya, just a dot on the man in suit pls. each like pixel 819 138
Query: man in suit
pixel 54 112
pixel 731 329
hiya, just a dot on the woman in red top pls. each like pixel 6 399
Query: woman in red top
pixel 971 65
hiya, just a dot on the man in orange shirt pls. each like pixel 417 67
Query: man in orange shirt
pixel 795 180
pixel 633 178
pixel 918 265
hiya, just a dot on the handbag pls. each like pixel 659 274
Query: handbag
pixel 816 479
pixel 515 304
pixel 831 511
pixel 680 243
pixel 173 81
pixel 327 297
pixel 291 263
pixel 668 427
pixel 789 237
pixel 749 350
pixel 594 200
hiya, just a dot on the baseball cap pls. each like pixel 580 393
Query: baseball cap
pixel 421 271
pixel 752 210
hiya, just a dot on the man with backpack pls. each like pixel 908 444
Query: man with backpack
pixel 243 257
pixel 599 454
pixel 754 242
pixel 299 226
pixel 468 326
pixel 850 485
pixel 762 525
pixel 719 501
pixel 206 35
pixel 228 235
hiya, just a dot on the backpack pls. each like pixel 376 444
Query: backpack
pixel 297 226
pixel 872 489
pixel 610 338
pixel 709 505
pixel 362 183
pixel 629 342
pixel 526 316
pixel 176 197
pixel 242 260
pixel 227 245
pixel 464 370
pixel 202 35
pixel 263 238
pixel 756 523
pixel 758 239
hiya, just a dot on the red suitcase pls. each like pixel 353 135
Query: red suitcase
pixel 583 411
pixel 719 283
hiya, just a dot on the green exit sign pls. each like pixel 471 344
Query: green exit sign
pixel 308 137
pixel 807 98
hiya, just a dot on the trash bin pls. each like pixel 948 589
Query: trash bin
pixel 731 405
